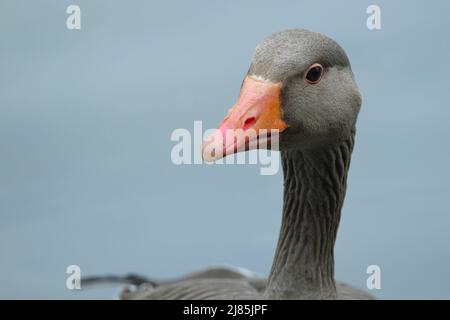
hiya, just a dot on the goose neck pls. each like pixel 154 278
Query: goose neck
pixel 314 189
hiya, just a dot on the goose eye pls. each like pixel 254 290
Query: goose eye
pixel 314 73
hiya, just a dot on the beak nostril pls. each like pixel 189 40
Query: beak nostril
pixel 248 122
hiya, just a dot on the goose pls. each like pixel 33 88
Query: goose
pixel 300 88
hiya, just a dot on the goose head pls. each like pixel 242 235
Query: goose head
pixel 299 88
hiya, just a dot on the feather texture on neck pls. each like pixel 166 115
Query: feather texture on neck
pixel 315 182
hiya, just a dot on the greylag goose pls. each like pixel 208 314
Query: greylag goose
pixel 300 84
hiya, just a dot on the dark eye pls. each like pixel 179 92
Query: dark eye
pixel 314 73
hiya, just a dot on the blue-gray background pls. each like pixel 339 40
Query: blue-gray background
pixel 85 124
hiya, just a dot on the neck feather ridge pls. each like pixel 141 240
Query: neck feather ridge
pixel 315 182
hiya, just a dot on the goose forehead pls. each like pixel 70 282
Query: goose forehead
pixel 292 51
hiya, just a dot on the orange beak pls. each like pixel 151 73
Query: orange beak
pixel 252 123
